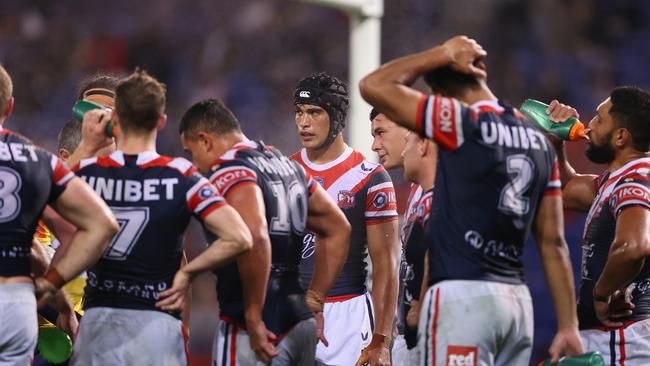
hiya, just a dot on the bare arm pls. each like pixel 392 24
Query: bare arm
pixel 549 235
pixel 382 248
pixel 628 252
pixel 388 88
pixel 63 230
pixel 333 240
pixel 255 265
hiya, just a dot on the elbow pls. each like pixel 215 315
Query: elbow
pixel 635 251
pixel 111 227
pixel 369 89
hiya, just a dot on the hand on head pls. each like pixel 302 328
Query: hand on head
pixel 466 56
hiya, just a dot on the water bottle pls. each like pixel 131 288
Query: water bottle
pixel 82 106
pixel 571 129
pixel 54 345
pixel 585 359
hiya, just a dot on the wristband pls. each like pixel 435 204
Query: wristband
pixel 54 277
pixel 315 301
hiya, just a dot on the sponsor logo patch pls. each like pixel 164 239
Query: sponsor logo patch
pixel 380 200
pixel 462 356
pixel 205 192
pixel 304 94
pixel 345 199
pixel 320 180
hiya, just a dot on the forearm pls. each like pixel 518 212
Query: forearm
pixel 384 297
pixel 559 276
pixel 61 302
pixel 216 255
pixel 622 266
pixel 87 246
pixel 254 268
pixel 329 258
pixel 567 172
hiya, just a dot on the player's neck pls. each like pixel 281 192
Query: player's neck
pixel 426 177
pixel 328 153
pixel 625 157
pixel 133 144
pixel 472 96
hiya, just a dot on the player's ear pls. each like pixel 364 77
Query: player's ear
pixel 162 121
pixel 621 137
pixel 64 154
pixel 205 140
pixel 9 108
pixel 423 147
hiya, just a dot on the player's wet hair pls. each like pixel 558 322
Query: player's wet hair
pixel 327 92
pixel 631 110
pixel 70 135
pixel 140 101
pixel 449 82
pixel 6 88
pixel 209 115
pixel 99 84
pixel 374 113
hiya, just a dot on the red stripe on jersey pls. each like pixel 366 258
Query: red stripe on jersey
pixel 159 161
pixel 233 347
pixel 60 172
pixel 444 123
pixel 611 179
pixel 226 178
pixel 381 201
pixel 434 327
pixel 230 154
pixel 419 118
pixel 485 108
pixel 311 183
pixel 330 176
pixel 107 162
pixel 232 188
pixel 212 207
pixel 553 192
pixel 621 334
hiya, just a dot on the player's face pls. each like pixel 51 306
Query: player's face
pixel 198 151
pixel 412 156
pixel 388 141
pixel 313 124
pixel 600 149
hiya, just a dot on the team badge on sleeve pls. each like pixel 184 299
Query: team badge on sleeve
pixel 345 199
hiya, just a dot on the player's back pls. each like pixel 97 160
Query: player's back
pixel 29 178
pixel 153 198
pixel 494 168
pixel 285 189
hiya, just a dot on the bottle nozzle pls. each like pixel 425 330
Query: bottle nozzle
pixel 577 131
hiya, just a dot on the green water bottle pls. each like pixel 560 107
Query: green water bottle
pixel 585 359
pixel 571 129
pixel 82 106
pixel 54 345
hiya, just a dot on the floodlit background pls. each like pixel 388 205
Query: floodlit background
pixel 250 53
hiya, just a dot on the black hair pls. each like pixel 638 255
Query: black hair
pixel 374 113
pixel 100 80
pixel 631 110
pixel 449 82
pixel 209 115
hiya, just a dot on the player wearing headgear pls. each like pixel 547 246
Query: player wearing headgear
pixel 32 178
pixel 614 303
pixel 278 201
pixel 364 192
pixel 153 197
pixel 496 177
pixel 388 141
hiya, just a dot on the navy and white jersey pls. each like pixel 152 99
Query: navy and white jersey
pixel 30 178
pixel 493 170
pixel 153 198
pixel 286 190
pixel 365 194
pixel 628 186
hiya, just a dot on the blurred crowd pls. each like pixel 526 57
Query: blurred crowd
pixel 251 53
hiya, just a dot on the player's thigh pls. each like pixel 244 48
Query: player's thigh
pixel 349 326
pixel 298 347
pixel 469 321
pixel 18 324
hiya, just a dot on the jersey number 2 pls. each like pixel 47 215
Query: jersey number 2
pixel 520 169
pixel 292 208
pixel 132 221
pixel 10 184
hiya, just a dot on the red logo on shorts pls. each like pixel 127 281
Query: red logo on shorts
pixel 462 356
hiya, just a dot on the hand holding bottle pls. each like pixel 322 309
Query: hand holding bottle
pixel 556 119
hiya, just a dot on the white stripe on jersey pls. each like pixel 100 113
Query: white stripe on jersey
pixel 381 213
pixel 351 178
pixel 428 125
pixel 85 162
pixel 146 157
pixel 195 188
pixel 65 179
pixel 180 164
pixel 222 171
pixel 380 186
pixel 206 203
pixel 459 123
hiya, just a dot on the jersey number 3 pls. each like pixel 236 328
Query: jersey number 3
pixel 10 184
pixel 520 170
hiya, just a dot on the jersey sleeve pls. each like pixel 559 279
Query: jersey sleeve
pixel 630 191
pixel 61 175
pixel 444 120
pixel 231 175
pixel 424 208
pixel 554 186
pixel 381 204
pixel 202 197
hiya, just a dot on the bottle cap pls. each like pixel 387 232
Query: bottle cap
pixel 577 131
pixel 54 345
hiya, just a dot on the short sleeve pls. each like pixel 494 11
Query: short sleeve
pixel 444 120
pixel 231 175
pixel 554 186
pixel 424 208
pixel 61 175
pixel 381 204
pixel 630 191
pixel 202 197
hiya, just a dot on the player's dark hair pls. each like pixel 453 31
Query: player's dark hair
pixel 140 101
pixel 70 135
pixel 374 113
pixel 448 82
pixel 209 115
pixel 101 82
pixel 6 88
pixel 631 110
